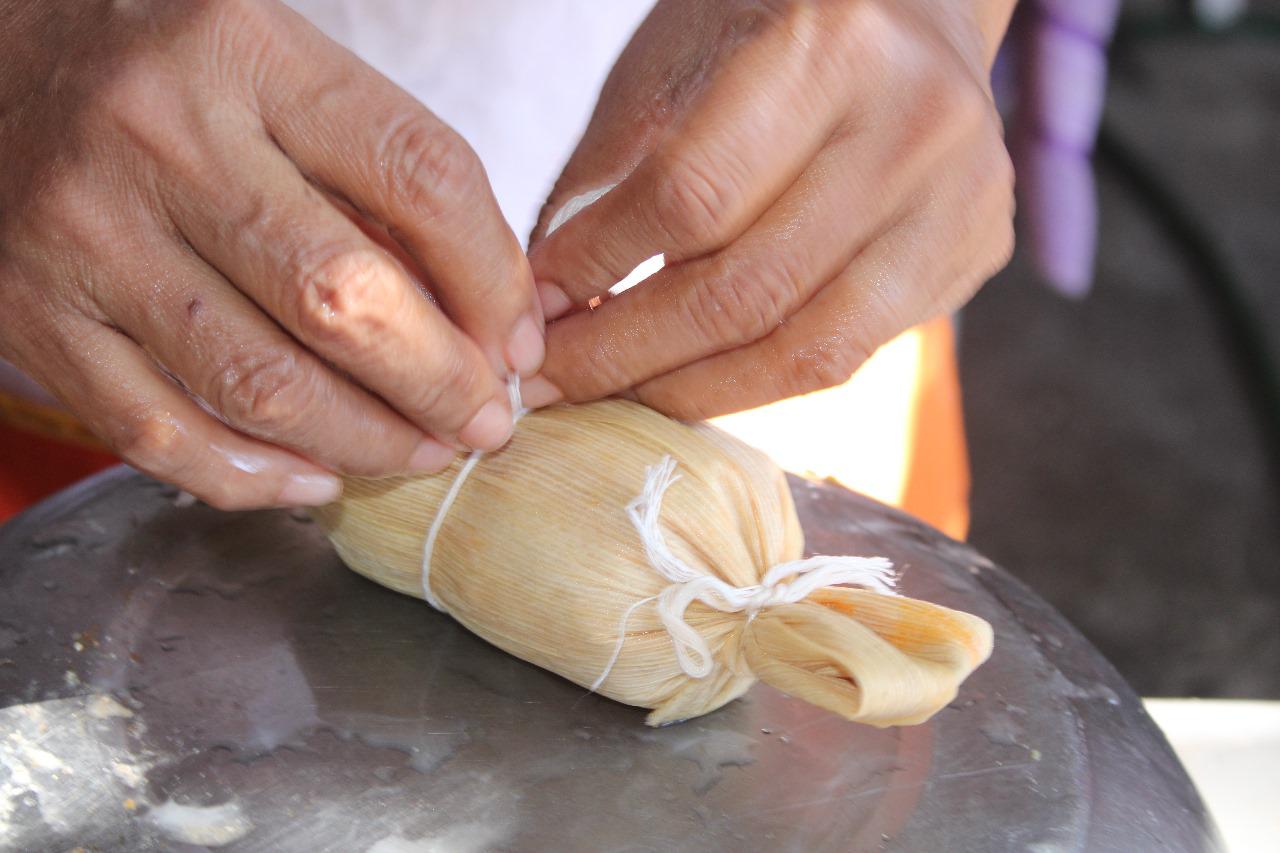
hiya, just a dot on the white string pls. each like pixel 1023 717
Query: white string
pixel 622 638
pixel 689 585
pixel 518 411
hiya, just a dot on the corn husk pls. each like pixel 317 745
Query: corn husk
pixel 538 556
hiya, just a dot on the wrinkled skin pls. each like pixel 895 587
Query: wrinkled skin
pixel 821 175
pixel 216 232
pixel 217 227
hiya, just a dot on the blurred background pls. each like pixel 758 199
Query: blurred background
pixel 1126 445
pixel 1124 448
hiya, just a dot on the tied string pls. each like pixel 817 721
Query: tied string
pixel 518 411
pixel 785 583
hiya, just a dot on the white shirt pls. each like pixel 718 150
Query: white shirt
pixel 517 78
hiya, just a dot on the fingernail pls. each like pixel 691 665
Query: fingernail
pixel 489 429
pixel 526 347
pixel 555 304
pixel 310 490
pixel 539 391
pixel 429 457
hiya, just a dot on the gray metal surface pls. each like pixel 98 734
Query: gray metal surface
pixel 174 678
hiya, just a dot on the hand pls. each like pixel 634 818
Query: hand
pixel 216 232
pixel 820 174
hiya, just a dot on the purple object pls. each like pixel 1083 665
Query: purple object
pixel 1060 77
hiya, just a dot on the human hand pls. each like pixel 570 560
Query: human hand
pixel 216 227
pixel 820 174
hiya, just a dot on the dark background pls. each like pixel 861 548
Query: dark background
pixel 1119 454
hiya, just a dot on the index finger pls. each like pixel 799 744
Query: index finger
pixel 358 134
pixel 733 297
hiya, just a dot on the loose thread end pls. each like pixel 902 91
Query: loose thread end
pixel 617 648
pixel 688 584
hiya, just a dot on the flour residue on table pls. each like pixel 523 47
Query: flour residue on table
pixel 210 826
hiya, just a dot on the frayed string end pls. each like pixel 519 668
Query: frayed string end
pixel 785 583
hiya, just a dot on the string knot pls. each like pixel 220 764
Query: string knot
pixel 785 583
pixel 767 597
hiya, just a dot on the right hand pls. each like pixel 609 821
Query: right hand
pixel 216 227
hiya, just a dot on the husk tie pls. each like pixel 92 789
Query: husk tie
pixel 549 554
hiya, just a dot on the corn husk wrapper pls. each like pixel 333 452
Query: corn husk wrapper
pixel 538 556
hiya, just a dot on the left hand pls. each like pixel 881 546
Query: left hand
pixel 820 174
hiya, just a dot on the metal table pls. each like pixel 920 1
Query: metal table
pixel 175 678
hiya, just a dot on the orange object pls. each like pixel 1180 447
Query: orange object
pixel 937 477
pixel 42 450
pixel 894 431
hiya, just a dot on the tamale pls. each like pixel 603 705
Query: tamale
pixel 657 563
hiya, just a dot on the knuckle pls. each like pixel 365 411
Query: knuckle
pixel 159 445
pixel 735 308
pixel 448 397
pixel 243 41
pixel 60 207
pixel 691 205
pixel 268 389
pixel 222 495
pixel 342 295
pixel 856 22
pixel 826 365
pixel 135 94
pixel 143 91
pixel 150 441
pixel 217 11
pixel 869 38
pixel 249 215
pixel 963 104
pixel 503 281
pixel 429 166
pixel 92 221
pixel 944 100
pixel 593 373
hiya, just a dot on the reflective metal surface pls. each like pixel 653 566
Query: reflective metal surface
pixel 174 678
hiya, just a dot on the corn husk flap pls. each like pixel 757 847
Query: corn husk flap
pixel 538 556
